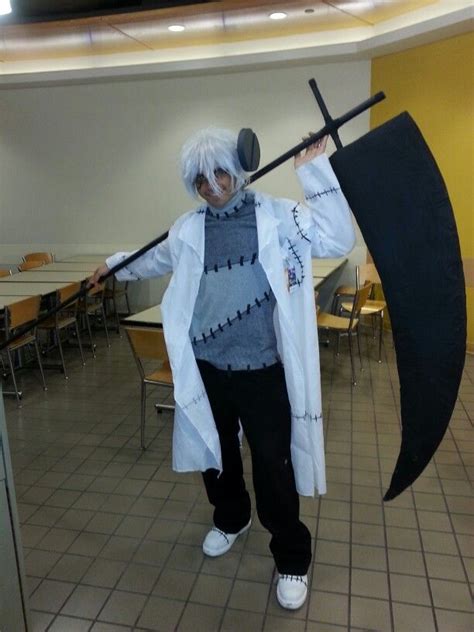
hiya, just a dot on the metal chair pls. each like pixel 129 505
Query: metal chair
pixel 64 319
pixel 349 326
pixel 149 344
pixel 18 315
pixel 92 304
pixel 118 291
pixel 367 274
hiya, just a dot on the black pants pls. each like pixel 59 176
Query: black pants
pixel 258 399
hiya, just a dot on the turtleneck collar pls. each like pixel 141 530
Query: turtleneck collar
pixel 233 206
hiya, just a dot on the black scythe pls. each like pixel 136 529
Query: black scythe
pixel 400 202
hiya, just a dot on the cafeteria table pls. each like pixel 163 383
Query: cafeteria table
pixel 70 266
pixel 150 317
pixel 30 289
pixel 40 276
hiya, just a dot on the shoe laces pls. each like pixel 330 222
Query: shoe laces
pixel 295 578
pixel 222 533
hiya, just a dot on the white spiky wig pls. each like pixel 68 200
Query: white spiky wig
pixel 207 150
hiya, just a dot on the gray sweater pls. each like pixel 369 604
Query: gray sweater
pixel 232 325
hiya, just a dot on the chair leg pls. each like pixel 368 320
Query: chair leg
pixel 129 311
pixel 352 359
pixel 380 335
pixel 61 353
pixel 116 314
pixel 358 346
pixel 105 325
pixel 18 394
pixel 89 331
pixel 142 416
pixel 40 365
pixel 79 343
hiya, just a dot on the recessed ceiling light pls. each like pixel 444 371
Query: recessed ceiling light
pixel 5 7
pixel 279 15
pixel 176 28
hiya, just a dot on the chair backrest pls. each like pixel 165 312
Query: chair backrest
pixel 148 343
pixel 367 273
pixel 66 292
pixel 45 257
pixel 360 300
pixel 22 312
pixel 29 265
pixel 5 273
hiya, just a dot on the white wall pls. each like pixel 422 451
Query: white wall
pixel 93 168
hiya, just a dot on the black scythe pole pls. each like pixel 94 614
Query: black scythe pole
pixel 331 127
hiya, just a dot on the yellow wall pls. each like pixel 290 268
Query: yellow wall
pixel 435 84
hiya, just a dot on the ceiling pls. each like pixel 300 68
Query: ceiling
pixel 60 39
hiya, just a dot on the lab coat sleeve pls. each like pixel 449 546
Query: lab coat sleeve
pixel 156 262
pixel 331 227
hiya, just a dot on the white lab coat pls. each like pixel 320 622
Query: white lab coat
pixel 289 234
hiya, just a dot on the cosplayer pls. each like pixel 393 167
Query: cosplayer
pixel 240 327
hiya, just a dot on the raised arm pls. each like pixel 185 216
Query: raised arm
pixel 331 229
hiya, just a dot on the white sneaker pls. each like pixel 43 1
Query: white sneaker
pixel 218 542
pixel 292 591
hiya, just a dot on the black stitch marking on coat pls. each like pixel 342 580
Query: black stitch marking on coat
pixel 248 308
pixel 212 333
pixel 229 264
pixel 241 261
pixel 229 322
pixel 239 314
pixel 295 219
pixel 320 194
pixel 205 269
pixel 216 269
pixel 257 302
pixel 254 256
pixel 204 337
pixel 220 327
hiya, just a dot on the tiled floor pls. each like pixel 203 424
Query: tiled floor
pixel 112 537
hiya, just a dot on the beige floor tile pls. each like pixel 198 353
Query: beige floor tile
pixel 368 534
pixel 451 595
pixel 104 573
pixel 410 589
pixel 335 530
pixel 139 578
pixel 445 567
pixel 103 522
pixel 332 553
pixel 174 584
pixel 328 608
pixel 51 595
pixel 40 621
pixel 369 583
pixel 400 538
pixel 368 514
pixel 334 509
pixel 122 608
pixel 370 614
pixel 211 590
pixel 369 557
pixel 199 618
pixel 258 568
pixel 85 601
pixel 161 614
pixel 328 578
pixel 251 596
pixel 281 624
pixel 451 621
pixel 413 618
pixel 70 624
pixel 439 542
